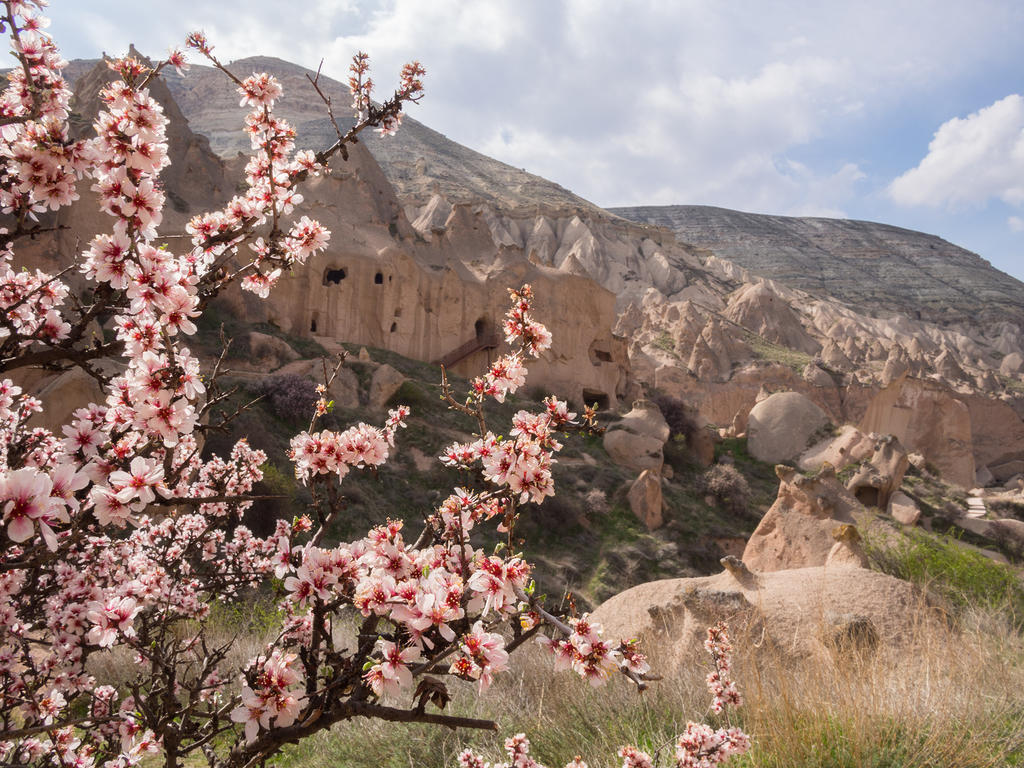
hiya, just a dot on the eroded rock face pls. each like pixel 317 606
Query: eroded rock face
pixel 797 531
pixel 926 418
pixel 768 315
pixel 934 279
pixel 800 611
pixel 881 476
pixel 780 427
pixel 848 551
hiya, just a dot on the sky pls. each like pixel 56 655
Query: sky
pixel 910 112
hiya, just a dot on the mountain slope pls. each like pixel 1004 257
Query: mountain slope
pixel 876 267
pixel 418 160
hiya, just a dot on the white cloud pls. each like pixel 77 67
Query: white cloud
pixel 1015 223
pixel 970 160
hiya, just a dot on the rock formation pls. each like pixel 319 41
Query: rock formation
pixel 759 309
pixel 797 531
pixel 921 274
pixel 800 611
pixel 880 477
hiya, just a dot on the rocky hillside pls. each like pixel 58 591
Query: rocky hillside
pixel 875 267
pixel 428 232
pixel 872 267
pixel 418 161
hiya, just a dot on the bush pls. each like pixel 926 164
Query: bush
pixel 727 485
pixel 291 396
pixel 680 417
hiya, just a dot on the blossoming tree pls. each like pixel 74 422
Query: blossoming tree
pixel 117 536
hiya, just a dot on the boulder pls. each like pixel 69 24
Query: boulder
pixel 268 352
pixel 645 499
pixel 984 477
pixel 927 418
pixel 385 382
pixel 878 478
pixel 634 451
pixel 780 427
pixel 904 510
pixel 638 440
pixel 797 530
pixel 806 611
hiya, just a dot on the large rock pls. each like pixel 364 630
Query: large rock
pixel 798 529
pixel 802 612
pixel 780 427
pixel 268 352
pixel 638 440
pixel 385 382
pixel 645 499
pixel 904 509
pixel 817 376
pixel 927 418
pixel 1006 470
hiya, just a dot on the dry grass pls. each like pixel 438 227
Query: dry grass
pixel 954 699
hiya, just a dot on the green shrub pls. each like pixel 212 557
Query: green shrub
pixel 411 394
pixel 958 575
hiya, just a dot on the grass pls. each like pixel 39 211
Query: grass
pixel 775 353
pixel 666 343
pixel 953 700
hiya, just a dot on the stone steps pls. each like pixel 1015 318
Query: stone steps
pixel 976 507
